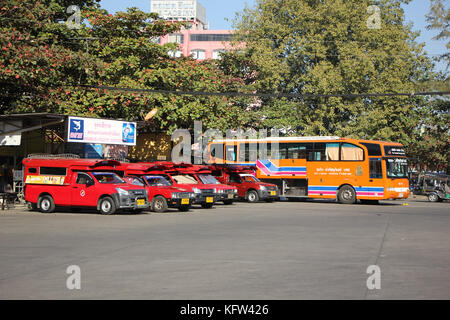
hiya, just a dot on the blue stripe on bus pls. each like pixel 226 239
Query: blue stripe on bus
pixel 269 165
pixel 322 188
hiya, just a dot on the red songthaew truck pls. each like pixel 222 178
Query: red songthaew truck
pixel 71 182
pixel 161 193
pixel 183 176
pixel 243 178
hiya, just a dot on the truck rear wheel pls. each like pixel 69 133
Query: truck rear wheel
pixel 159 204
pixel 347 195
pixel 46 204
pixel 107 206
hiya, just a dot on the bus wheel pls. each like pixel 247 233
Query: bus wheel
pixel 347 195
pixel 46 204
pixel 252 196
pixel 159 204
pixel 107 206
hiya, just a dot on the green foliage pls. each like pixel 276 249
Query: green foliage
pixel 332 47
pixel 439 19
pixel 44 63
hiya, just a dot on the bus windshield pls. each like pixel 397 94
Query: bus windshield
pixel 397 168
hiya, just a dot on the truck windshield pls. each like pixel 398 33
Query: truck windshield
pixel 134 180
pixel 207 179
pixel 249 178
pixel 107 177
pixel 155 181
pixel 397 168
pixel 184 179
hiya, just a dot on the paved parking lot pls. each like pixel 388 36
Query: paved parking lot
pixel 281 250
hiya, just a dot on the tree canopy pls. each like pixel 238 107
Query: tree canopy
pixel 335 47
pixel 48 67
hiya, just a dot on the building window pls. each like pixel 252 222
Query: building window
pixel 176 38
pixel 216 53
pixel 175 54
pixel 198 54
pixel 211 37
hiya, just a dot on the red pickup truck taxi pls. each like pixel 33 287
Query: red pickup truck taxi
pixel 225 193
pixel 161 193
pixel 181 177
pixel 249 187
pixel 80 183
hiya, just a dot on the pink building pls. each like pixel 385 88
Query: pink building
pixel 200 44
pixel 197 41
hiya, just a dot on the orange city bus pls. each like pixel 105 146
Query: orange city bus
pixel 321 167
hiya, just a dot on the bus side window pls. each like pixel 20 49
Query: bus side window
pixel 350 152
pixel 248 152
pixel 231 152
pixel 332 152
pixel 296 151
pixel 216 150
pixel 264 150
pixel 319 151
pixel 375 169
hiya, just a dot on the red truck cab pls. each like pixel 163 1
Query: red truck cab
pixel 249 187
pixel 161 193
pixel 225 193
pixel 182 176
pixel 80 183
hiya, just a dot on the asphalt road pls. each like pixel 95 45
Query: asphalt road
pixel 281 250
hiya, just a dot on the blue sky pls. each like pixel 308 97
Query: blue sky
pixel 219 10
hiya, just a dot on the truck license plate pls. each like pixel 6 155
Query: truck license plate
pixel 184 201
pixel 273 193
pixel 209 199
pixel 141 202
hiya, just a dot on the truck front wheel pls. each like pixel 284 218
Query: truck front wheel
pixel 107 206
pixel 159 204
pixel 252 196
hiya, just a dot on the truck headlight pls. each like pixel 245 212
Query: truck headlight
pixel 176 195
pixel 122 192
pixel 263 188
pixel 196 190
pixel 234 190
